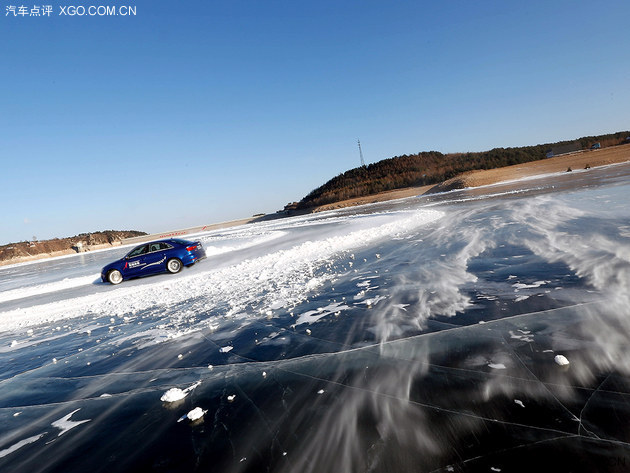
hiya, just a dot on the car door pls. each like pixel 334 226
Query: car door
pixel 135 261
pixel 155 259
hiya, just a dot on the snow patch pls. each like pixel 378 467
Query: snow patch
pixel 533 285
pixel 65 424
pixel 525 336
pixel 20 444
pixel 313 316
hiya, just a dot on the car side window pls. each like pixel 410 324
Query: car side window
pixel 154 247
pixel 165 246
pixel 139 251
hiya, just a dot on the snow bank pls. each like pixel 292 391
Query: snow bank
pixel 287 274
pixel 68 283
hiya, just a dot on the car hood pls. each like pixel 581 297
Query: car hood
pixel 113 265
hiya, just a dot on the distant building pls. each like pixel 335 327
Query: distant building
pixel 564 149
pixel 291 206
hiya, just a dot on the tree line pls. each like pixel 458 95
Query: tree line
pixel 433 167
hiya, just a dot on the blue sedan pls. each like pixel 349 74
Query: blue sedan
pixel 152 258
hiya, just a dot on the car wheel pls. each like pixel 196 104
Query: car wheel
pixel 114 276
pixel 174 265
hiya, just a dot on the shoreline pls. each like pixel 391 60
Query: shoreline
pixel 574 161
pixel 470 179
pixel 485 177
pixel 59 254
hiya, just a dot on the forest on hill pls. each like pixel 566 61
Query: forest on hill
pixel 433 167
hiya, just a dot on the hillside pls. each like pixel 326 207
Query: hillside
pixel 433 167
pixel 30 250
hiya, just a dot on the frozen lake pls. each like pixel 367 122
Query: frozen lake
pixel 426 334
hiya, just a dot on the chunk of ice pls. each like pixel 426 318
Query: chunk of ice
pixel 196 414
pixel 561 360
pixel 176 394
pixel 172 395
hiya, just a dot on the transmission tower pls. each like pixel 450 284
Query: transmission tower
pixel 361 153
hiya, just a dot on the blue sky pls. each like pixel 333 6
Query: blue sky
pixel 193 112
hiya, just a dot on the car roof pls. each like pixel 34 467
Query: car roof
pixel 167 240
pixel 178 241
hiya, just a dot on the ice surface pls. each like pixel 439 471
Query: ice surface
pixel 285 274
pixel 67 283
pixel 409 336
